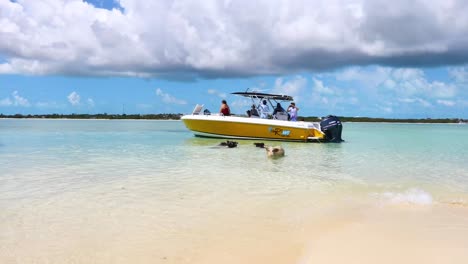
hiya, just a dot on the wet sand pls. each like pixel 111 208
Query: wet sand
pixel 349 232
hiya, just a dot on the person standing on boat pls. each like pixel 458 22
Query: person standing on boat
pixel 224 108
pixel 264 109
pixel 292 110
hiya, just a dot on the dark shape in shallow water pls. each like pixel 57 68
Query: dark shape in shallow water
pixel 229 144
pixel 259 145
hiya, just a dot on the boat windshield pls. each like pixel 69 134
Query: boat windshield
pixel 272 99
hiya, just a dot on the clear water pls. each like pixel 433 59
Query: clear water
pixel 102 191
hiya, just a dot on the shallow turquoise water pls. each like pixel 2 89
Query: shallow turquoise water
pixel 73 180
pixel 83 153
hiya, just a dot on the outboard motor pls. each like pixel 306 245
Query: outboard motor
pixel 332 127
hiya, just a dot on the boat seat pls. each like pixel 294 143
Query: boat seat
pixel 281 116
pixel 197 109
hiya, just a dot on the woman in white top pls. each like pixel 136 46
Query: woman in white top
pixel 292 110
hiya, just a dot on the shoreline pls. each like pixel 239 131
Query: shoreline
pixel 91 119
pixel 393 121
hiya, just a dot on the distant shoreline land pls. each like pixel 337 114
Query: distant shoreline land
pixel 106 116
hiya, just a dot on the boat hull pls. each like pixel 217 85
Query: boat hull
pixel 252 128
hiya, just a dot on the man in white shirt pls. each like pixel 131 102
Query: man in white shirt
pixel 264 109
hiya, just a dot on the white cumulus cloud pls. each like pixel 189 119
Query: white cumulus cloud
pixel 216 92
pixel 420 101
pixel 50 105
pixel 446 102
pixel 294 87
pixel 6 102
pixel 320 88
pixel 403 82
pixel 167 98
pixel 19 100
pixel 210 39
pixel 15 100
pixel 460 74
pixel 74 98
pixel 90 102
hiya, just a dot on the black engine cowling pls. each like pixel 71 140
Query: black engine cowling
pixel 332 127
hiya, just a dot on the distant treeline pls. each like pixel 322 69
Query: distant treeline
pixel 177 117
pixel 99 116
pixel 393 120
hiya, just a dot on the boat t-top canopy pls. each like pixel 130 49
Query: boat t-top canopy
pixel 254 95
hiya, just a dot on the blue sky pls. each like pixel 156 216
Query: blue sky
pixel 350 58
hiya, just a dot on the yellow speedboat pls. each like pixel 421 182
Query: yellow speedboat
pixel 277 127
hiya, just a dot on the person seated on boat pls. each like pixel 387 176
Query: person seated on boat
pixel 292 110
pixel 253 112
pixel 278 108
pixel 279 113
pixel 224 108
pixel 264 109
